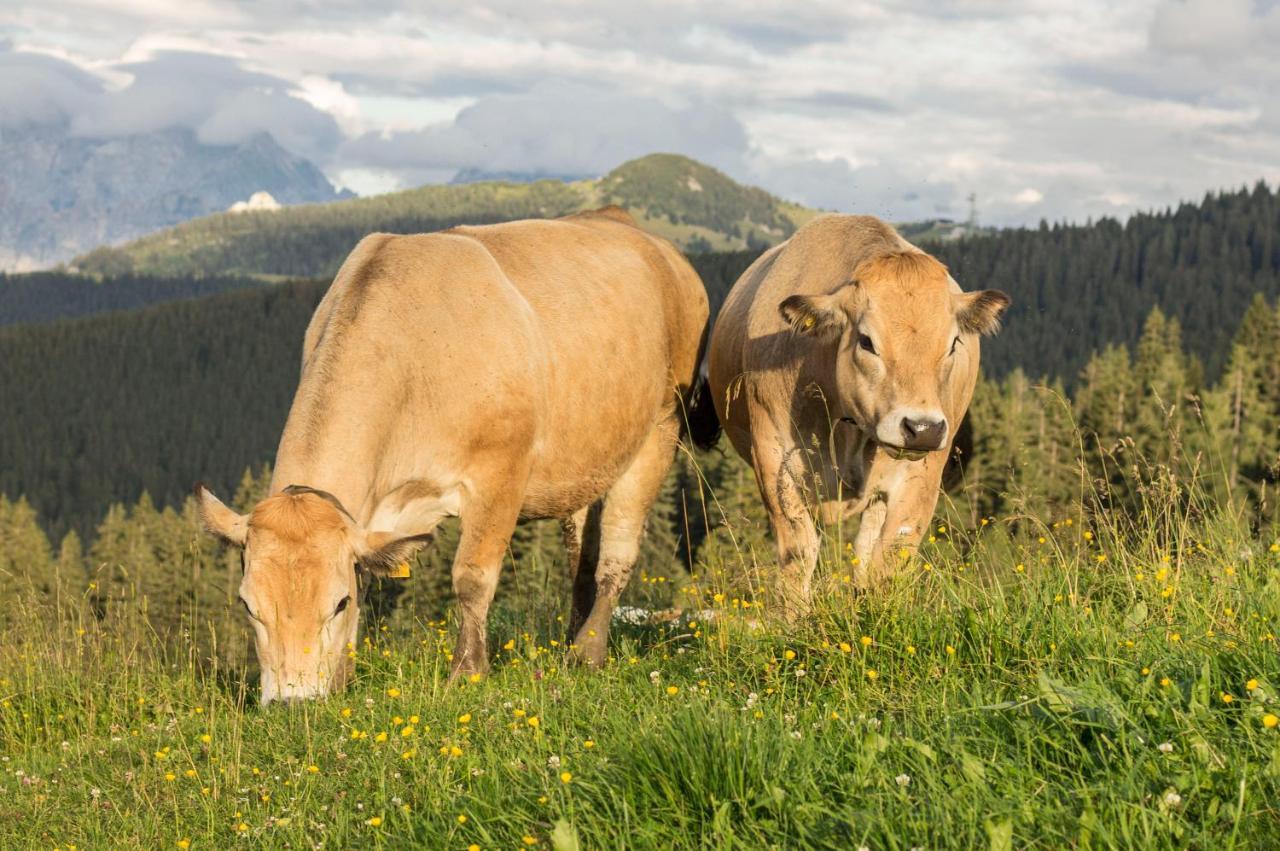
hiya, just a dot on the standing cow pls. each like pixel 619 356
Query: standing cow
pixel 841 364
pixel 534 369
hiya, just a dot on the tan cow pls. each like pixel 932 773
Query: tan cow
pixel 534 369
pixel 841 364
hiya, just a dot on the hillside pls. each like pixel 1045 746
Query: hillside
pixel 62 194
pixel 694 205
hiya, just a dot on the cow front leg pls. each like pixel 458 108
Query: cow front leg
pixel 900 511
pixel 487 523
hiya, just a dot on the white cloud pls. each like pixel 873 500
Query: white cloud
pixel 213 95
pixel 558 129
pixel 901 109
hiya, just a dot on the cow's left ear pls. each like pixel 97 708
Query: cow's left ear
pixel 219 520
pixel 817 316
pixel 980 312
pixel 382 553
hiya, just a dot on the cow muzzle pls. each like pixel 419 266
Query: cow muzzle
pixel 911 435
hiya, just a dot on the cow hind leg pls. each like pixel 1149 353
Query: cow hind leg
pixel 488 519
pixel 622 515
pixel 582 545
pixel 780 475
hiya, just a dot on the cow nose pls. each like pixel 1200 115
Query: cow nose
pixel 923 434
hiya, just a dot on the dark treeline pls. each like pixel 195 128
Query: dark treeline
pixel 100 409
pixel 1077 288
pixel 46 296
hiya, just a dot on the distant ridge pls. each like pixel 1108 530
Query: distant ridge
pixel 694 205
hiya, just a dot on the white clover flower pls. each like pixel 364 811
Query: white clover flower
pixel 1165 747
pixel 1172 799
pixel 553 761
pixel 903 780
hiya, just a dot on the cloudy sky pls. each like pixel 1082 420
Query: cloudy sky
pixel 1058 109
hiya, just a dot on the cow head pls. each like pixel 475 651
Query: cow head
pixel 904 337
pixel 302 551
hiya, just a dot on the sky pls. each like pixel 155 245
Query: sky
pixel 1043 109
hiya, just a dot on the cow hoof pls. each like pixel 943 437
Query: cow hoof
pixel 465 670
pixel 590 655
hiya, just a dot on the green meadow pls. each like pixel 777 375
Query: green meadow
pixel 1094 680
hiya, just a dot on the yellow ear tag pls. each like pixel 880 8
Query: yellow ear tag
pixel 808 322
pixel 400 571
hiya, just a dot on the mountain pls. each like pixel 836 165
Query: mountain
pixel 62 194
pixel 694 205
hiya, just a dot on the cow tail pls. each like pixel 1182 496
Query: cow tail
pixel 701 424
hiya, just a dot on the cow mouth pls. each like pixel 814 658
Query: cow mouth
pixel 897 453
pixel 901 453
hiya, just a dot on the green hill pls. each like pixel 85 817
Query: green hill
pixel 694 205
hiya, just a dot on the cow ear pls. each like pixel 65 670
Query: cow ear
pixel 383 553
pixel 218 520
pixel 980 312
pixel 817 316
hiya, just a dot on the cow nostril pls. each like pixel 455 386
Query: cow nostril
pixel 923 434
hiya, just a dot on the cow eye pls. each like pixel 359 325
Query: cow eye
pixel 955 343
pixel 342 605
pixel 248 610
pixel 864 343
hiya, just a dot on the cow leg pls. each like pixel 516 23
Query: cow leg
pixel 896 520
pixel 488 520
pixel 780 473
pixel 582 542
pixel 621 526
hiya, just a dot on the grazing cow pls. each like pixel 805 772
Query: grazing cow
pixel 535 369
pixel 841 364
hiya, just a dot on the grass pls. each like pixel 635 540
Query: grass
pixel 1023 684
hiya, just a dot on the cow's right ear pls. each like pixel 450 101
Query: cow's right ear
pixel 817 316
pixel 219 520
